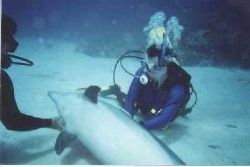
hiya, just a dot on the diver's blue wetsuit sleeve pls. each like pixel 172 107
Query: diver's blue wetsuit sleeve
pixel 172 105
pixel 133 93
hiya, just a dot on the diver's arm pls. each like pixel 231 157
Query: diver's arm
pixel 133 93
pixel 172 105
pixel 11 117
pixel 8 97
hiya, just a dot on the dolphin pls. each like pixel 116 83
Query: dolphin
pixel 109 134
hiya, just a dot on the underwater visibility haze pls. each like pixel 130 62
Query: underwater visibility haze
pixel 74 44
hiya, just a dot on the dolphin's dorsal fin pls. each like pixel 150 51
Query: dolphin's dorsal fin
pixel 92 93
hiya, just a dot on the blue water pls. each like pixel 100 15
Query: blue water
pixel 94 18
pixel 212 28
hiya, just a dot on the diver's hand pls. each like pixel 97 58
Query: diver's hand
pixel 58 123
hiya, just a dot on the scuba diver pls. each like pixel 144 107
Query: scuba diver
pixel 11 117
pixel 160 89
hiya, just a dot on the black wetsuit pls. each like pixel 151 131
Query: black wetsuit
pixel 11 117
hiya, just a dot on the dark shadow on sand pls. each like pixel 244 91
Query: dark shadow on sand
pixel 20 152
pixel 79 151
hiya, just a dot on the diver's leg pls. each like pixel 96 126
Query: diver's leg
pixel 173 103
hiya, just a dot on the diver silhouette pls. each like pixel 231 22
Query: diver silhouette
pixel 11 117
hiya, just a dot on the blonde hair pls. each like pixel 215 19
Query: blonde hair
pixel 156 36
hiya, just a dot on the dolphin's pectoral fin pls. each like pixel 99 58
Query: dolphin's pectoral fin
pixel 63 140
pixel 92 93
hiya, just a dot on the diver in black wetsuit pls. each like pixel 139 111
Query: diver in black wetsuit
pixel 10 116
